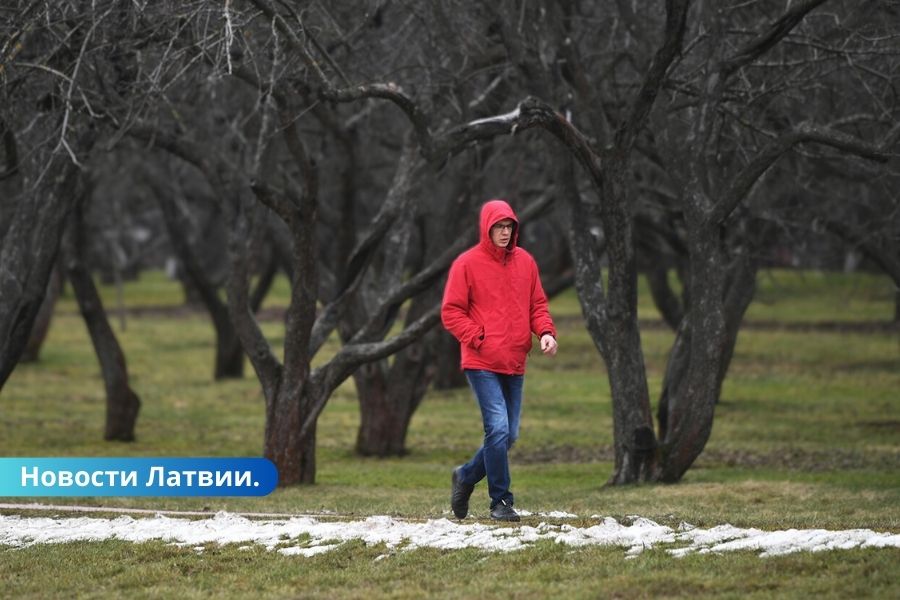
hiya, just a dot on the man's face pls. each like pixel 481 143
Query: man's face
pixel 501 232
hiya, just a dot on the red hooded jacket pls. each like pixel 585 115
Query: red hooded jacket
pixel 494 300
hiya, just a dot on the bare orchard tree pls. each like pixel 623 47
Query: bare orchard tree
pixel 28 255
pixel 52 55
pixel 41 326
pixel 388 394
pixel 122 403
pixel 845 80
pixel 732 144
pixel 468 80
pixel 295 392
pixel 189 240
pixel 44 142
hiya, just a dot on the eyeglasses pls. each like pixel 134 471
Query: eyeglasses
pixel 502 227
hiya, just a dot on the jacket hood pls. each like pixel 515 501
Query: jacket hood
pixel 492 212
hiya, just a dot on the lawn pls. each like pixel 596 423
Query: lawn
pixel 807 435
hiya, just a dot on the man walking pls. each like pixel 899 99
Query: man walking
pixel 492 304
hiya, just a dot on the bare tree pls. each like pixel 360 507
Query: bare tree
pixel 122 403
pixel 42 320
pixel 229 358
pixel 49 55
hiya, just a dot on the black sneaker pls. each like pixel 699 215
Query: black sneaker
pixel 459 495
pixel 504 512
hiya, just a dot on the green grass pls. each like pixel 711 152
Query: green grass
pixel 807 435
pixel 815 296
pixel 548 570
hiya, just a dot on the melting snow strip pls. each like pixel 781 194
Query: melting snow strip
pixel 308 536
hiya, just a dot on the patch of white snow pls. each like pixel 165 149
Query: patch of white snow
pixel 398 534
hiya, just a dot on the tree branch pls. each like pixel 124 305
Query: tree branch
pixel 397 198
pixel 275 200
pixel 769 38
pixel 388 91
pixel 10 149
pixel 392 92
pixel 530 113
pixel 804 133
pixel 885 258
pixel 328 377
pixel 268 369
pixel 252 339
pixel 676 17
pixel 307 202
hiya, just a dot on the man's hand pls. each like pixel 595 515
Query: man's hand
pixel 548 344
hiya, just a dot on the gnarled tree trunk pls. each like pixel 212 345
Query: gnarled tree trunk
pixel 665 299
pixel 292 452
pixel 122 404
pixel 388 396
pixel 448 374
pixel 42 321
pixel 229 358
pixel 634 439
pixel 691 404
pixel 722 285
pixel 27 257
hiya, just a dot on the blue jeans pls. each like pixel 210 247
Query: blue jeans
pixel 500 399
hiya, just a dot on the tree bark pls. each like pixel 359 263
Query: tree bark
pixel 292 453
pixel 229 358
pixel 448 375
pixel 122 404
pixel 29 251
pixel 42 320
pixel 389 396
pixel 741 289
pixel 611 318
pixel 691 403
pixel 664 298
pixel 376 426
pixel 634 439
pixel 264 284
